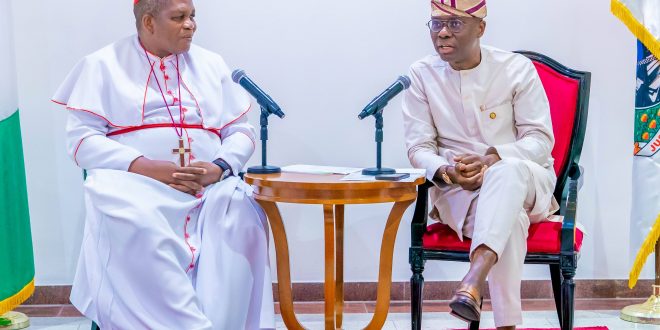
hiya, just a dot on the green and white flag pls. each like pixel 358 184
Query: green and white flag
pixel 16 257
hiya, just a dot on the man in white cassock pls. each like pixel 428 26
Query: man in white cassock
pixel 478 120
pixel 173 238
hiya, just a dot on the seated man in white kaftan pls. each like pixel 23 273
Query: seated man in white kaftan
pixel 478 120
pixel 173 238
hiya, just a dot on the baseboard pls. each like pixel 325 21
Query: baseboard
pixel 366 291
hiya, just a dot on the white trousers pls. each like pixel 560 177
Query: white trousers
pixel 499 218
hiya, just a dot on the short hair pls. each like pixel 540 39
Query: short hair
pixel 147 7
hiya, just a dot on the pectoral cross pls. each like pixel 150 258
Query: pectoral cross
pixel 182 152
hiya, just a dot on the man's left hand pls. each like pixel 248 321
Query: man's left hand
pixel 210 175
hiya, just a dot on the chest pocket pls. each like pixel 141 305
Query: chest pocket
pixel 498 124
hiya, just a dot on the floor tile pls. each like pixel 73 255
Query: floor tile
pixel 359 318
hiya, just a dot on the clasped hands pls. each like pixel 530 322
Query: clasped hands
pixel 469 169
pixel 191 179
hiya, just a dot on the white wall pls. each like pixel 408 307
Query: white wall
pixel 323 61
pixel 8 96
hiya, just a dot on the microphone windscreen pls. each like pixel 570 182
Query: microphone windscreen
pixel 237 75
pixel 405 81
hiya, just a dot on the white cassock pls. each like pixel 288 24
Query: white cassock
pixel 153 257
pixel 500 103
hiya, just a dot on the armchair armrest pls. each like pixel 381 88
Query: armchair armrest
pixel 421 214
pixel 568 227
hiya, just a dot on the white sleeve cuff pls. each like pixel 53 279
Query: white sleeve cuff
pixel 434 165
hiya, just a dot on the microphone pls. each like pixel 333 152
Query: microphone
pixel 403 82
pixel 265 101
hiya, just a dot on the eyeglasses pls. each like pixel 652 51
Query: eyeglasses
pixel 453 25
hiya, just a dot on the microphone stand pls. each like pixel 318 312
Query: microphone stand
pixel 379 141
pixel 264 169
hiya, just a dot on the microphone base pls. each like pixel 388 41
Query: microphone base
pixel 378 171
pixel 267 169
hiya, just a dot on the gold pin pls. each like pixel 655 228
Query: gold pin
pixel 493 115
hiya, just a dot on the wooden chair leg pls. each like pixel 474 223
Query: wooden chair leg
pixel 555 276
pixel 567 292
pixel 417 287
pixel 567 296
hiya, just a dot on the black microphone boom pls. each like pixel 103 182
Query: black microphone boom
pixel 265 101
pixel 375 108
pixel 268 107
pixel 379 103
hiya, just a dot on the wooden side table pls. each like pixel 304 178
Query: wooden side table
pixel 333 194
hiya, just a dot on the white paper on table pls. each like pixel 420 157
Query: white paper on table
pixel 317 169
pixel 415 173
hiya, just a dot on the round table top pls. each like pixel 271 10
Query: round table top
pixel 328 189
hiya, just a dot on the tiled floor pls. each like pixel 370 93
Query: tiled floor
pixel 368 307
pixel 538 313
pixel 399 321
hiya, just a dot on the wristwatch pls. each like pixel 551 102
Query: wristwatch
pixel 224 168
pixel 445 177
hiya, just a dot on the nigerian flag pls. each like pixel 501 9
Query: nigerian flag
pixel 642 17
pixel 16 259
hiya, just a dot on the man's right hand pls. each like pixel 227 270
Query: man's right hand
pixel 164 172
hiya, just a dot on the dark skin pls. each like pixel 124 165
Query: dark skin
pixel 170 32
pixel 463 52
